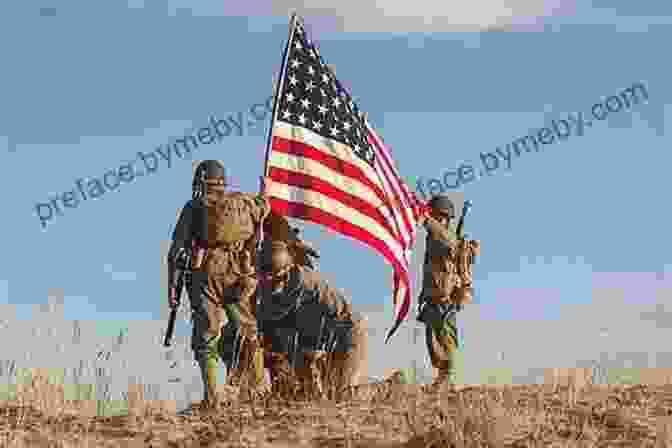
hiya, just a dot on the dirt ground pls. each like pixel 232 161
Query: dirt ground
pixel 388 415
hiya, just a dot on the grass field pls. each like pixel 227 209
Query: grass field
pixel 385 415
pixel 77 406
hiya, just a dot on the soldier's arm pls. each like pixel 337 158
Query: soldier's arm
pixel 337 302
pixel 260 206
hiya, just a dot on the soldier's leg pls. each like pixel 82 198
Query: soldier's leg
pixel 282 378
pixel 251 364
pixel 349 366
pixel 208 319
pixel 232 313
pixel 442 343
pixel 310 373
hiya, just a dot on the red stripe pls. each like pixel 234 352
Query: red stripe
pixel 317 215
pixel 384 159
pixel 395 186
pixel 403 312
pixel 347 169
pixel 387 157
pixel 410 205
pixel 394 218
pixel 307 182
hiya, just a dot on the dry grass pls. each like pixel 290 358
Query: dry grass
pixel 388 415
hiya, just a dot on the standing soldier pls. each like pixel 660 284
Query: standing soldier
pixel 305 322
pixel 218 228
pixel 447 284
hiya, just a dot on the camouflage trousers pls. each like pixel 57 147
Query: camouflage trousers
pixel 215 300
pixel 442 343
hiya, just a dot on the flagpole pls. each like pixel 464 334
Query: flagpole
pixel 292 26
pixel 279 85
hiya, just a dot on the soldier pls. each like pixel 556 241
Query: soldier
pixel 305 323
pixel 447 284
pixel 219 228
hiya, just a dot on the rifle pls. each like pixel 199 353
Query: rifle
pixel 460 224
pixel 182 265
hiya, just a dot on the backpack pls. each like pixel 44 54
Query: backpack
pixel 226 218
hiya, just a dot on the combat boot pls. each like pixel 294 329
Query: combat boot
pixel 445 378
pixel 208 367
pixel 311 375
pixel 210 400
pixel 281 384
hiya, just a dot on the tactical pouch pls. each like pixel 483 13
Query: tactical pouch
pixel 434 312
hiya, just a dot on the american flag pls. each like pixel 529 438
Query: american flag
pixel 325 164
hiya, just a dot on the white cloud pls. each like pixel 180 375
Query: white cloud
pixel 391 16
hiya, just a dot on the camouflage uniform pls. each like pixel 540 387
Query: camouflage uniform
pixel 447 280
pixel 296 297
pixel 223 288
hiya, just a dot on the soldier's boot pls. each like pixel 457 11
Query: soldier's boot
pixel 281 384
pixel 311 375
pixel 336 376
pixel 445 377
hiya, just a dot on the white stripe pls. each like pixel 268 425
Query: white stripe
pixel 329 205
pixel 392 173
pixel 397 224
pixel 389 167
pixel 397 213
pixel 401 188
pixel 407 238
pixel 306 166
pixel 328 146
pixel 338 150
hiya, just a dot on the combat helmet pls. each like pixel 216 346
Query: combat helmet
pixel 279 233
pixel 208 172
pixel 443 202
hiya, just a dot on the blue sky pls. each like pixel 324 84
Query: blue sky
pixel 84 89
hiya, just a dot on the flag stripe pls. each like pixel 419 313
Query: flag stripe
pixel 314 198
pixel 410 201
pixel 318 215
pixel 399 192
pixel 405 217
pixel 390 204
pixel 304 179
pixel 395 202
pixel 334 155
pixel 299 157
